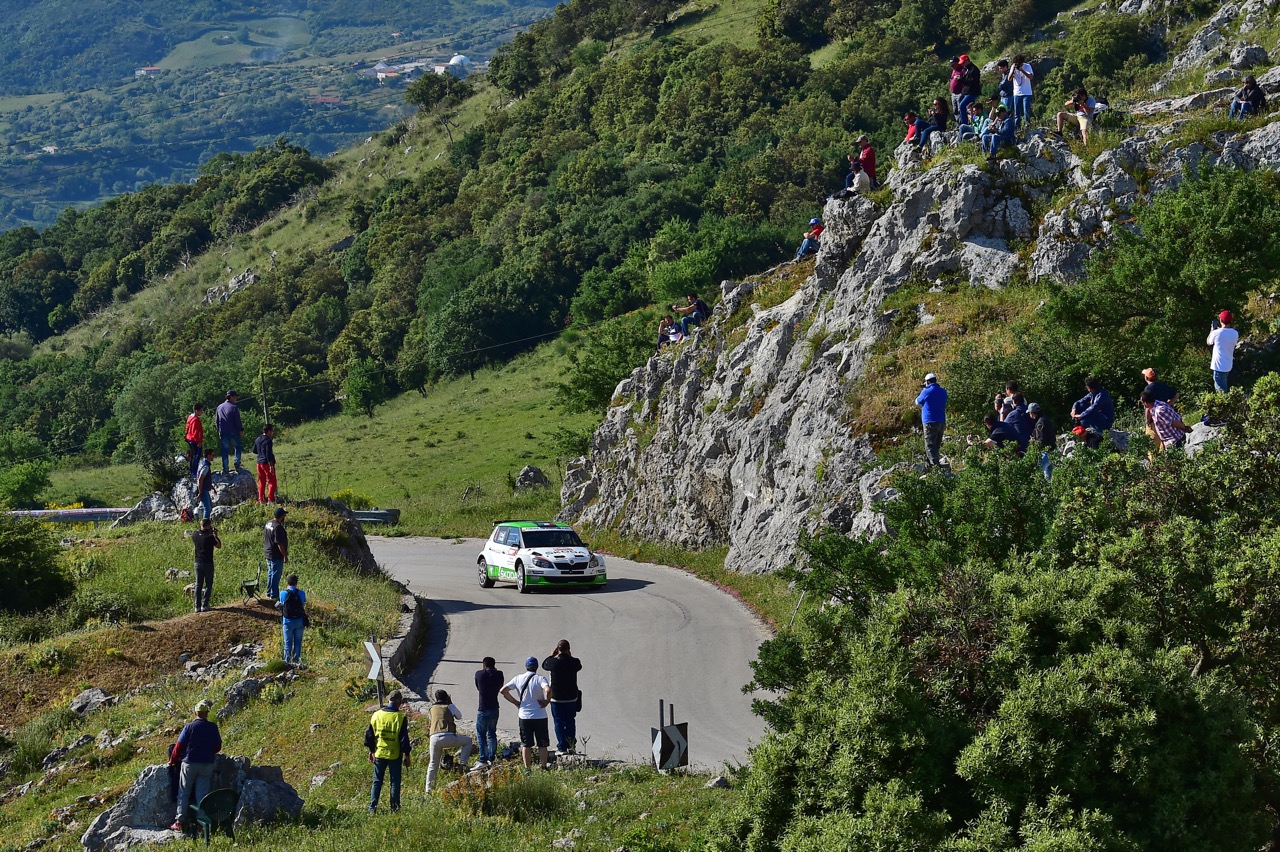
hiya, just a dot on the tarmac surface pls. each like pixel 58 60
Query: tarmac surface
pixel 652 633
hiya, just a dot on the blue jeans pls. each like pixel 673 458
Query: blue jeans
pixel 923 139
pixel 292 640
pixel 228 442
pixel 1046 466
pixel 487 734
pixel 1239 109
pixel 565 716
pixel 1221 381
pixel 1021 109
pixel 380 767
pixel 275 567
pixel 194 454
pixel 696 318
pixel 962 110
pixel 809 246
pixel 206 504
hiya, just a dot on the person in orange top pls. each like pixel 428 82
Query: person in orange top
pixel 195 437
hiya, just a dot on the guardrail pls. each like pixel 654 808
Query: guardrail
pixel 378 516
pixel 97 516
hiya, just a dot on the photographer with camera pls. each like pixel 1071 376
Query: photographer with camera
pixel 206 541
pixel 1083 108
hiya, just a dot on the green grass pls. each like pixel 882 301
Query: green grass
pixel 221 47
pixel 732 21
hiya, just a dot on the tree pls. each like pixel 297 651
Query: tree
pixel 365 387
pixel 31 575
pixel 432 90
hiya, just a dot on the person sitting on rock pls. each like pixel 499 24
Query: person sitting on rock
pixel 939 115
pixel 1164 422
pixel 999 434
pixel 976 122
pixel 1082 108
pixel 695 312
pixel 810 244
pixel 1163 392
pixel 1094 411
pixel 1249 100
pixel 858 180
pixel 867 158
pixel 915 126
pixel 664 331
pixel 1044 437
pixel 999 132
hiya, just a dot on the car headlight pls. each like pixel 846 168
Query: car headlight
pixel 544 564
pixel 595 561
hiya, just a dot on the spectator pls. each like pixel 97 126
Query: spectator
pixel 999 132
pixel 1164 421
pixel 999 434
pixel 695 311
pixel 566 698
pixel 1016 419
pixel 1249 100
pixel 915 126
pixel 976 122
pixel 970 86
pixel 387 739
pixel 1094 412
pixel 1044 437
pixel 230 429
pixel 938 117
pixel 204 484
pixel 1082 108
pixel 442 725
pixel 1161 391
pixel 867 157
pixel 1223 339
pixel 275 547
pixel 489 682
pixel 195 437
pixel 956 83
pixel 531 697
pixel 664 331
pixel 857 181
pixel 265 451
pixel 292 606
pixel 206 541
pixel 811 240
pixel 196 749
pixel 1004 89
pixel 1004 399
pixel 933 416
pixel 1021 75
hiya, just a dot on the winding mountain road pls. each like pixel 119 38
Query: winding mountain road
pixel 653 632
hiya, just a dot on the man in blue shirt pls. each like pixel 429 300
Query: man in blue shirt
pixel 999 434
pixel 489 681
pixel 291 605
pixel 933 414
pixel 230 429
pixel 197 746
pixel 1094 411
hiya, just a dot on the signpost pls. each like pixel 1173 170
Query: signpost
pixel 670 741
pixel 375 670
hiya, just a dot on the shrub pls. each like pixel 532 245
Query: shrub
pixel 31 574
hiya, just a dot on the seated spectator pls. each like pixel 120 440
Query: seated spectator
pixel 695 312
pixel 915 127
pixel 975 123
pixel 1164 421
pixel 858 181
pixel 811 243
pixel 1044 437
pixel 1094 412
pixel 999 434
pixel 1000 132
pixel 1161 391
pixel 867 157
pixel 939 115
pixel 1016 419
pixel 1082 108
pixel 1004 399
pixel 664 331
pixel 1249 100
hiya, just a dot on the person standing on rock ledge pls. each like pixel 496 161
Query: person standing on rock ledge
pixel 387 739
pixel 933 416
pixel 265 452
pixel 230 429
pixel 1223 339
pixel 204 483
pixel 275 547
pixel 196 748
pixel 195 437
pixel 206 541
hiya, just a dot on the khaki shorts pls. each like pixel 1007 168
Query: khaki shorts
pixel 1085 122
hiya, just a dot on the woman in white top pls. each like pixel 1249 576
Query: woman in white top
pixel 1020 74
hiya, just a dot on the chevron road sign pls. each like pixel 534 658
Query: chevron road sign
pixel 670 742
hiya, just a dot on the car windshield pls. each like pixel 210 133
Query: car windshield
pixel 551 538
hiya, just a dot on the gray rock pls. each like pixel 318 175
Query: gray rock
pixel 531 479
pixel 719 782
pixel 268 801
pixel 238 696
pixel 1220 77
pixel 91 699
pixel 56 756
pixel 128 838
pixel 228 491
pixel 144 805
pixel 1247 56
pixel 1201 436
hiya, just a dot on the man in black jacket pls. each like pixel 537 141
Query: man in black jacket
pixel 566 698
pixel 1249 100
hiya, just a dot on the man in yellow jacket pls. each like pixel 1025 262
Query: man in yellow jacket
pixel 387 739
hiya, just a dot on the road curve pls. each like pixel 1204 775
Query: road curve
pixel 653 632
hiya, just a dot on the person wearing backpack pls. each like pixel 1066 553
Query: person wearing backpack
pixel 387 739
pixel 292 606
pixel 531 693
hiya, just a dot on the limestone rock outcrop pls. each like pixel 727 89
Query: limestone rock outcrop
pixel 227 493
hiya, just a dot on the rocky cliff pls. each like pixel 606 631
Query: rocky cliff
pixel 743 437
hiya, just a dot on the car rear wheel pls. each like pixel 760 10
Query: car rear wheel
pixel 482 569
pixel 521 585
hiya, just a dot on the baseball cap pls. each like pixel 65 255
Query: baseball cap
pixel 1225 316
pixel 964 57
pixel 815 221
pixel 204 706
pixel 531 663
pixel 930 377
pixel 281 511
pixel 1149 373
pixel 231 393
pixel 1033 408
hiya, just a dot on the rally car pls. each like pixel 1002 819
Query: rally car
pixel 538 553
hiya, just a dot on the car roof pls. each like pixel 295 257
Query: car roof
pixel 534 525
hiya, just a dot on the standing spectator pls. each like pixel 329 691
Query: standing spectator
pixel 970 86
pixel 195 437
pixel 1004 89
pixel 867 157
pixel 1223 339
pixel 1000 131
pixel 1164 421
pixel 812 239
pixel 387 739
pixel 442 725
pixel 857 181
pixel 915 126
pixel 938 117
pixel 1021 75
pixel 566 698
pixel 275 547
pixel 530 696
pixel 206 541
pixel 695 311
pixel 196 748
pixel 489 682
pixel 265 450
pixel 933 416
pixel 1082 109
pixel 230 429
pixel 1094 411
pixel 1044 437
pixel 1161 391
pixel 292 606
pixel 956 84
pixel 204 483
pixel 999 434
pixel 1249 100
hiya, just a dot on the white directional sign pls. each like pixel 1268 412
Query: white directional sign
pixel 671 746
pixel 375 654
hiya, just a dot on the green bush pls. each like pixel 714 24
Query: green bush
pixel 35 739
pixel 31 572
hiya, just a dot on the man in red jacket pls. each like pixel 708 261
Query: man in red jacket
pixel 195 437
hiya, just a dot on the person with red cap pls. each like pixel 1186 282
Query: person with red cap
pixel 1222 339
pixel 970 87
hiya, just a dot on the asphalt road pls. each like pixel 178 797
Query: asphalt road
pixel 653 632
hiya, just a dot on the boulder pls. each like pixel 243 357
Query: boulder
pixel 1201 435
pixel 268 801
pixel 144 805
pixel 228 491
pixel 531 479
pixel 1246 56
pixel 56 756
pixel 91 699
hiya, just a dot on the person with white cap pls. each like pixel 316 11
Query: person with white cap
pixel 1223 339
pixel 933 416
pixel 197 746
pixel 532 695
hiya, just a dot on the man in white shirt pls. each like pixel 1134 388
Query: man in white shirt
pixel 1223 339
pixel 530 692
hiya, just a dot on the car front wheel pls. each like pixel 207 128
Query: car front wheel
pixel 521 585
pixel 482 569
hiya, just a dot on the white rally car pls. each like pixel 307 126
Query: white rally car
pixel 538 553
